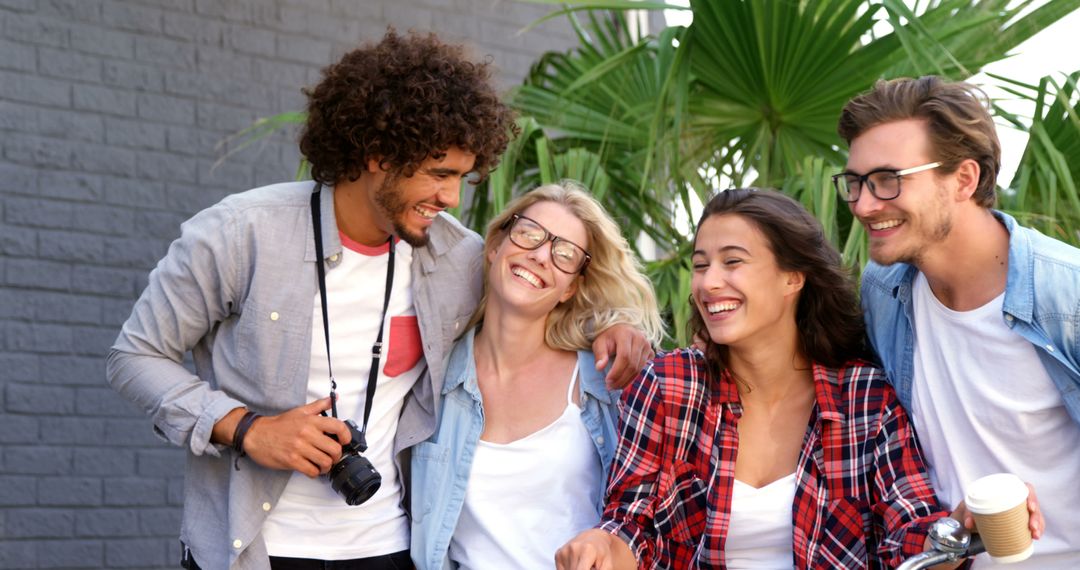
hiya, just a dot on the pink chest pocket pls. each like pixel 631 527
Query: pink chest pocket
pixel 405 348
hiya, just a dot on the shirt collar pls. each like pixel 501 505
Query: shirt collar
pixel 330 237
pixel 827 391
pixel 1020 283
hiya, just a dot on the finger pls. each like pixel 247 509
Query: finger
pixel 298 462
pixel 1036 521
pixel 602 351
pixel 314 408
pixel 327 447
pixel 334 427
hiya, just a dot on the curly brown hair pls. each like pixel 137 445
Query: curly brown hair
pixel 403 100
pixel 828 317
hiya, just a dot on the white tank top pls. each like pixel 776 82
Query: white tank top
pixel 760 531
pixel 528 497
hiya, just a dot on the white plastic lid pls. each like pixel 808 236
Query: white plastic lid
pixel 995 493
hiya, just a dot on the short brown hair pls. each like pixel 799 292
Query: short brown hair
pixel 957 115
pixel 403 100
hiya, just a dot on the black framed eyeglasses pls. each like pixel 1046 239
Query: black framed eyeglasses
pixel 566 255
pixel 884 183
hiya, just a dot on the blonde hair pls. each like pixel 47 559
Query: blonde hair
pixel 612 290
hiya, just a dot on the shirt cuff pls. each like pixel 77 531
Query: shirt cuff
pixel 204 427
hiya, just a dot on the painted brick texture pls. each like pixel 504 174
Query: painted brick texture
pixel 113 118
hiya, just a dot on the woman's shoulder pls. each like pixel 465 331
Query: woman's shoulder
pixel 678 363
pixel 863 383
pixel 678 373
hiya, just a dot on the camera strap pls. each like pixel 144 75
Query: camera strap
pixel 376 349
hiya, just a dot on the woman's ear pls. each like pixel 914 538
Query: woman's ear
pixel 795 281
pixel 571 290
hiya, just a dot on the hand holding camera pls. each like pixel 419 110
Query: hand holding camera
pixel 298 440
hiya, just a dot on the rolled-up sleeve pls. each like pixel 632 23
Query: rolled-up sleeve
pixel 906 503
pixel 192 289
pixel 636 468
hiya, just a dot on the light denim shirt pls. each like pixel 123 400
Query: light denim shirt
pixel 1042 304
pixel 237 289
pixel 441 465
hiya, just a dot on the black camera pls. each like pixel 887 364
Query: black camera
pixel 354 477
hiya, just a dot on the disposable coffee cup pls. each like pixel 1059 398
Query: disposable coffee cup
pixel 999 505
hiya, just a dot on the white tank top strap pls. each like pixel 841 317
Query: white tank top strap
pixel 570 389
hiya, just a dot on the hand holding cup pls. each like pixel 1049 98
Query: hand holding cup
pixel 999 505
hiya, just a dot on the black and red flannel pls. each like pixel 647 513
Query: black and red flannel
pixel 862 497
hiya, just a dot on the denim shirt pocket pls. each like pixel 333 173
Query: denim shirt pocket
pixel 430 474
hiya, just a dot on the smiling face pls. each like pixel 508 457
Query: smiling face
pixel 527 280
pixel 742 294
pixel 905 228
pixel 406 206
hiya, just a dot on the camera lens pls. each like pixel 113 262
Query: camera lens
pixel 355 479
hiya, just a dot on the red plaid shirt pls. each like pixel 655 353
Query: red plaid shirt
pixel 862 498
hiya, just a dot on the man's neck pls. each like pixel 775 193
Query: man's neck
pixel 354 211
pixel 971 266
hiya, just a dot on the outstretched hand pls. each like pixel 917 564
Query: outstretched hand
pixel 297 440
pixel 630 349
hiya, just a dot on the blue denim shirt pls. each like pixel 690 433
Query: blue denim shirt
pixel 1042 304
pixel 441 465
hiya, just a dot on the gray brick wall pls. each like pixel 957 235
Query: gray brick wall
pixel 110 115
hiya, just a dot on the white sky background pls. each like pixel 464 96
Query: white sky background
pixel 1054 51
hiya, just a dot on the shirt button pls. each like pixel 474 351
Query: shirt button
pixel 274 316
pixel 237 543
pixel 1009 318
pixel 334 257
pixel 600 440
pixel 457 325
pixel 1050 348
pixel 266 506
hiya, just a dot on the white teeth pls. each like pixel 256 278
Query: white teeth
pixel 429 214
pixel 884 225
pixel 530 277
pixel 714 308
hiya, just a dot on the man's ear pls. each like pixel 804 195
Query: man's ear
pixel 374 165
pixel 967 179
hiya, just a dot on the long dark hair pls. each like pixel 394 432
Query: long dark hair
pixel 829 320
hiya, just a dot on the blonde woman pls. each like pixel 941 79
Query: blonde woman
pixel 526 435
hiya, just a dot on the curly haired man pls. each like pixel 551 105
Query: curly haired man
pixel 354 284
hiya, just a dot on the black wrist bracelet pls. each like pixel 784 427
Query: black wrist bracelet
pixel 242 428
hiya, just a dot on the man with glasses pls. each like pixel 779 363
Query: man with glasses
pixel 975 317
pixel 393 129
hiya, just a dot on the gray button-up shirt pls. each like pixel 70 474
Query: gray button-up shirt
pixel 237 289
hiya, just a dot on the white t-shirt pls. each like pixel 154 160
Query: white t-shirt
pixel 526 498
pixel 760 530
pixel 983 404
pixel 311 520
